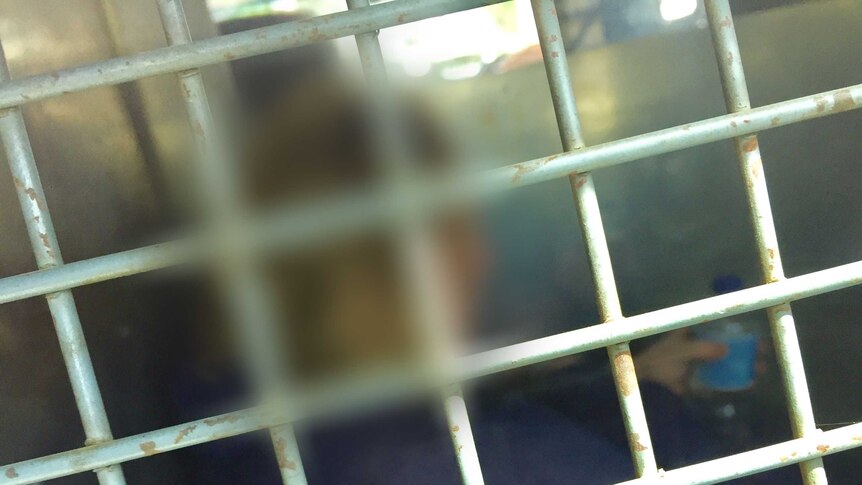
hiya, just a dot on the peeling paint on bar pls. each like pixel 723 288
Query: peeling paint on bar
pixel 800 450
pixel 590 218
pixel 787 351
pixel 46 249
pixel 471 367
pixel 254 42
pixel 307 225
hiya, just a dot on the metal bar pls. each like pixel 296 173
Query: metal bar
pixel 810 448
pixel 43 239
pixel 477 365
pixel 787 349
pixel 134 447
pixel 249 43
pixel 310 224
pixel 418 256
pixel 238 276
pixel 590 217
pixel 655 322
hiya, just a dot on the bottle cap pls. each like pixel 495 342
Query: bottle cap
pixel 726 284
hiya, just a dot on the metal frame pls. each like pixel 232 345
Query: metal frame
pixel 104 454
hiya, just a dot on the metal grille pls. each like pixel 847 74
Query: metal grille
pixel 54 279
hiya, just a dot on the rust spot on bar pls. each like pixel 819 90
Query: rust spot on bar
pixel 316 36
pixel 184 432
pixel 45 241
pixel 522 169
pixel 727 22
pixel 750 145
pixel 843 101
pixel 771 253
pixel 636 444
pixel 822 448
pixel 555 54
pixel 774 121
pixel 455 429
pixel 624 368
pixel 230 418
pixel 401 18
pixel 11 473
pixel 148 447
pixel 579 182
pixel 281 456
pixel 56 76
pixel 553 38
pixel 229 57
pixel 554 11
pixel 782 458
pixel 730 57
pixel 733 124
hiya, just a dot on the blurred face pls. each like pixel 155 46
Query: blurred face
pixel 368 321
pixel 465 256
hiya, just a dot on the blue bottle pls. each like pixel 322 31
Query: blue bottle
pixel 736 370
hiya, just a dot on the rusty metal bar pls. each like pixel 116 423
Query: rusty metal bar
pixel 590 217
pixel 471 367
pixel 781 322
pixel 800 450
pixel 43 239
pixel 310 224
pixel 249 43
pixel 246 292
pixel 418 256
pixel 658 321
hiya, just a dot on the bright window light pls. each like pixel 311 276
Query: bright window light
pixel 676 9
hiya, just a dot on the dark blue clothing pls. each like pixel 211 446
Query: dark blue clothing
pixel 570 432
pixel 519 442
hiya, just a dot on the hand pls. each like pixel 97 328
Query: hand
pixel 668 361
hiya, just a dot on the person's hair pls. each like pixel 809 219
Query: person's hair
pixel 260 80
pixel 312 143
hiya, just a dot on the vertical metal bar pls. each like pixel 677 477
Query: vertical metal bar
pixel 246 291
pixel 43 239
pixel 748 152
pixel 622 366
pixel 418 256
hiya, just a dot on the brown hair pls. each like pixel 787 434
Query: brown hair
pixel 316 142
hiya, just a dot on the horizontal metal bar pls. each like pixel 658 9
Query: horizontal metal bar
pixel 94 270
pixel 819 444
pixel 134 447
pixel 655 322
pixel 355 396
pixel 680 137
pixel 299 227
pixel 227 48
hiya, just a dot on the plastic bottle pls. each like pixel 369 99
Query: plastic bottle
pixel 719 383
pixel 735 371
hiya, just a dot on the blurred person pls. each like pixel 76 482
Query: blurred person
pixel 345 312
